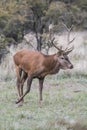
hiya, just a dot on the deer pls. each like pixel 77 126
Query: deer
pixel 34 64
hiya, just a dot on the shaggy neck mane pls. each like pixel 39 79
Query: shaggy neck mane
pixel 51 63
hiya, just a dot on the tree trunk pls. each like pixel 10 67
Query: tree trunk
pixel 38 28
pixel 39 44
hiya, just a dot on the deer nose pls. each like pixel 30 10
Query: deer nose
pixel 71 66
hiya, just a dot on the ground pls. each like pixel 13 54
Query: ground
pixel 64 105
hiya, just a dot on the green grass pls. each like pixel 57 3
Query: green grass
pixel 64 106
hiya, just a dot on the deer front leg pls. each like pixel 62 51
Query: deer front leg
pixel 29 81
pixel 40 90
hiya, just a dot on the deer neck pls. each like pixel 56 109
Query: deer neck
pixel 53 64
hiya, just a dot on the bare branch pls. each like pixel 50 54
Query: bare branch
pixel 68 29
pixel 30 43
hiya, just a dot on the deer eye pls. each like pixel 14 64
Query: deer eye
pixel 62 58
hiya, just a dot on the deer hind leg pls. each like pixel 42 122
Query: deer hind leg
pixel 29 81
pixel 23 79
pixel 19 73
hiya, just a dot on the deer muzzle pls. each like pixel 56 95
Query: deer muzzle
pixel 71 66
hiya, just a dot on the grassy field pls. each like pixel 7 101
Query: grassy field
pixel 64 106
pixel 65 95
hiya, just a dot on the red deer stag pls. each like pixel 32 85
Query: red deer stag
pixel 34 64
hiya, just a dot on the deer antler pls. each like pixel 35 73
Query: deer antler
pixel 52 42
pixel 58 48
pixel 52 38
pixel 68 50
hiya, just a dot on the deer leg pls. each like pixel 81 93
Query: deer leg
pixel 29 81
pixel 19 73
pixel 40 90
pixel 24 77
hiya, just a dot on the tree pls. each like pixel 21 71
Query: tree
pixel 38 9
pixel 43 13
pixel 22 16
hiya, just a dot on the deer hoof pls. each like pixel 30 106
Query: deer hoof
pixel 20 104
pixel 16 102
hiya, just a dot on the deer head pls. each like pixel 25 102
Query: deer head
pixel 62 54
